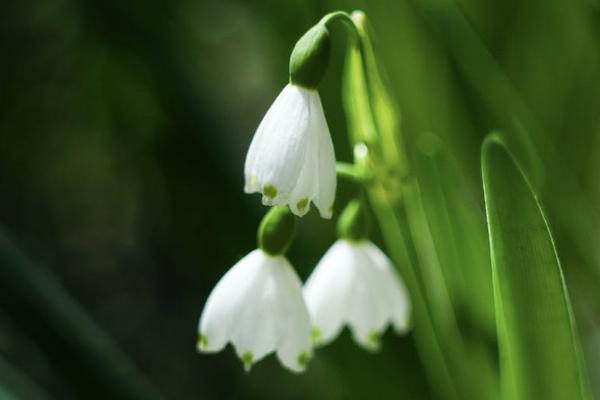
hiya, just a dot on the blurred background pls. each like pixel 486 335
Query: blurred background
pixel 123 132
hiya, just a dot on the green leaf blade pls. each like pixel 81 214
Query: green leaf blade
pixel 539 350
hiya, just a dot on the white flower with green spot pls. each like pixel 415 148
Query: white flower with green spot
pixel 291 159
pixel 355 284
pixel 259 308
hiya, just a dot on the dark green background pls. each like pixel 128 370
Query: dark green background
pixel 123 132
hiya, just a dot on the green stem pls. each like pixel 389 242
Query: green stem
pixel 428 342
pixel 374 118
pixel 350 172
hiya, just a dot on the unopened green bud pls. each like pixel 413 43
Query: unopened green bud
pixel 310 57
pixel 276 231
pixel 354 223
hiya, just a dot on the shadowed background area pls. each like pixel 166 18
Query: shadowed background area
pixel 123 132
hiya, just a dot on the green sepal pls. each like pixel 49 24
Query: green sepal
pixel 276 231
pixel 310 57
pixel 354 223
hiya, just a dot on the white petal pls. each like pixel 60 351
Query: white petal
pixel 255 331
pixel 307 186
pixel 328 289
pixel 294 349
pixel 261 136
pixel 278 148
pixel 368 308
pixel 394 288
pixel 326 171
pixel 225 301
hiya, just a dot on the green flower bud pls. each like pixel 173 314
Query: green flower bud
pixel 310 57
pixel 276 231
pixel 354 223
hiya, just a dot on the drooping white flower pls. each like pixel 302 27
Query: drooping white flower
pixel 355 284
pixel 291 158
pixel 259 308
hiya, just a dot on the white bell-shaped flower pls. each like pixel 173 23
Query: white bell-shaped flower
pixel 355 284
pixel 291 158
pixel 259 308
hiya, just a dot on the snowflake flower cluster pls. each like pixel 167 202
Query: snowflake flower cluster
pixel 260 305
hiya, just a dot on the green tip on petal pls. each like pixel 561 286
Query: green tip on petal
pixel 315 334
pixel 302 204
pixel 303 359
pixel 270 191
pixel 253 181
pixel 374 340
pixel 247 358
pixel 202 343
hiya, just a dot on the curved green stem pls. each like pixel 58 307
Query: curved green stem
pixel 350 172
pixel 342 16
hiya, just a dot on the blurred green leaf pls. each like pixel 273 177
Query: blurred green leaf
pixel 482 71
pixel 373 118
pixel 458 230
pixel 539 349
pixel 90 360
pixel 5 395
pixel 15 385
pixel 363 127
